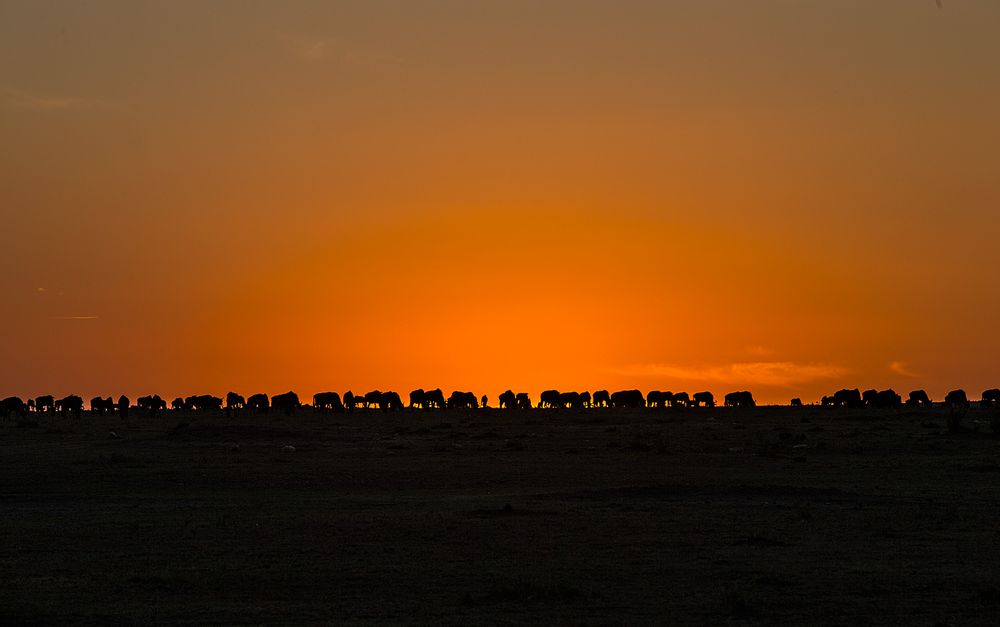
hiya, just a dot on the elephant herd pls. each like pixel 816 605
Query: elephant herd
pixel 627 399
pixel 289 402
pixel 376 399
pixel 69 405
pixel 889 399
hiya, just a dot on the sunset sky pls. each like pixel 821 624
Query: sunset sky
pixel 785 196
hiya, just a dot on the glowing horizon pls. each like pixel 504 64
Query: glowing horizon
pixel 787 198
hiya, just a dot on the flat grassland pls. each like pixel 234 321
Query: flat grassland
pixel 718 516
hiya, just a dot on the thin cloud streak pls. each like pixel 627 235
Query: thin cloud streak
pixel 902 369
pixel 763 373
pixel 313 49
pixel 21 99
pixel 73 318
pixel 307 49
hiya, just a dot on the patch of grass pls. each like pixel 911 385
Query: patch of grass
pixel 987 596
pixel 880 525
pixel 981 467
pixel 741 602
pixel 760 540
pixel 765 446
pixel 955 421
pixel 507 511
pixel 160 581
pixel 521 591
pixel 119 459
pixel 775 581
pixel 637 445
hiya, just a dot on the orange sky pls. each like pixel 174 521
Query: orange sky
pixel 783 196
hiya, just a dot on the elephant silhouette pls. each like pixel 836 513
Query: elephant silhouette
pixel 323 401
pixel 287 402
pixel 918 398
pixel 549 399
pixel 462 400
pixel 602 398
pixel 628 399
pixel 507 400
pixel 956 398
pixel 234 403
pixel 703 398
pixel 258 404
pixel 740 399
pixel 659 400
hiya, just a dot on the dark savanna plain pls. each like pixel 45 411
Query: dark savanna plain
pixel 790 203
pixel 601 516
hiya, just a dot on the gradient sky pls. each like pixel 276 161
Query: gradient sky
pixel 787 196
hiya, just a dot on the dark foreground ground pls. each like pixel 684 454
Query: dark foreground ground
pixel 608 517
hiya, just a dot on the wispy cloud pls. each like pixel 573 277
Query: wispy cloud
pixel 763 373
pixel 311 48
pixel 902 369
pixel 307 48
pixel 22 99
pixel 73 318
pixel 759 351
